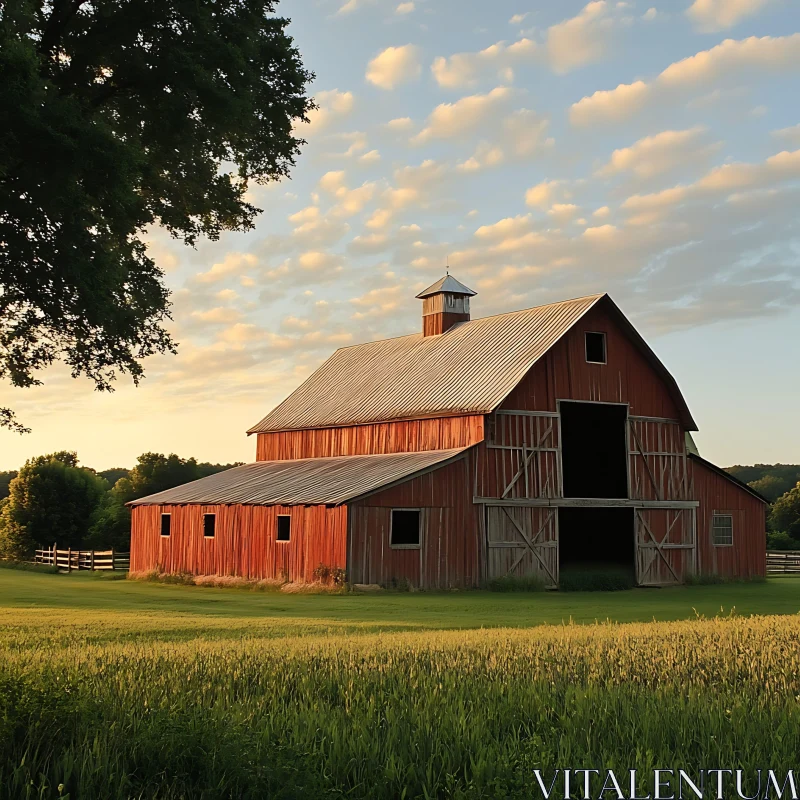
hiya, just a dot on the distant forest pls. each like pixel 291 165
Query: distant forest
pixel 769 480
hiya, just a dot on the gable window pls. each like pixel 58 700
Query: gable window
pixel 284 528
pixel 722 530
pixel 595 347
pixel 209 525
pixel 405 528
pixel 166 524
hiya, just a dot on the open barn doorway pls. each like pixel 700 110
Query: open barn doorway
pixel 597 546
pixel 594 449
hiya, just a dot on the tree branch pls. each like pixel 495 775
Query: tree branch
pixel 57 22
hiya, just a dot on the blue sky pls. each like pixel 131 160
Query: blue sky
pixel 547 150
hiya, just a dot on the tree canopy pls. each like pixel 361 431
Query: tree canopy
pixel 115 116
pixel 785 513
pixel 769 480
pixel 52 498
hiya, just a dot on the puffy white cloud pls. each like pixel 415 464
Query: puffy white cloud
pixel 464 69
pixel 450 120
pixel 725 60
pixel 716 15
pixel 563 212
pixel 370 157
pixel 541 195
pixel 602 212
pixel 233 264
pixel 331 105
pixel 393 66
pixel 486 155
pixel 659 154
pixel 518 19
pixel 609 104
pixel 405 8
pixel 790 134
pixel 505 228
pixel 581 40
pixel 400 124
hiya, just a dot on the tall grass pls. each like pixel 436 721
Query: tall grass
pixel 438 714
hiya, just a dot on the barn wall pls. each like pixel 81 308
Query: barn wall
pixel 385 437
pixel 245 541
pixel 748 554
pixel 452 552
pixel 563 374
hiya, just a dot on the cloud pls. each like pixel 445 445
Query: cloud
pixel 659 154
pixel 518 19
pixel 464 69
pixel 234 263
pixel 791 134
pixel 450 120
pixel 581 40
pixel 332 105
pixel 725 61
pixel 404 8
pixel 394 66
pixel 716 15
pixel 400 124
pixel 541 195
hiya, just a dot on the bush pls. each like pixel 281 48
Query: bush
pixel 508 583
pixel 587 579
pixel 781 541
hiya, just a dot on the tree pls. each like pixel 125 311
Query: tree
pixel 154 472
pixel 5 480
pixel 52 499
pixel 785 513
pixel 114 116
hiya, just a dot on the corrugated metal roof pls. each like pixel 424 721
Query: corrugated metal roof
pixel 446 284
pixel 305 481
pixel 468 369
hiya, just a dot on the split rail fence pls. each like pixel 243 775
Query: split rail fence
pixel 69 560
pixel 783 562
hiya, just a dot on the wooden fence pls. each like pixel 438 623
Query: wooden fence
pixel 69 560
pixel 783 562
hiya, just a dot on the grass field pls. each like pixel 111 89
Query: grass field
pixel 117 689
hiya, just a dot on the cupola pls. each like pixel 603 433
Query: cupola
pixel 444 304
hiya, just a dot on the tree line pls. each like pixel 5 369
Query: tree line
pixel 780 485
pixel 52 498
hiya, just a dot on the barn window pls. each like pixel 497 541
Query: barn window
pixel 595 348
pixel 209 525
pixel 166 524
pixel 722 529
pixel 405 528
pixel 284 527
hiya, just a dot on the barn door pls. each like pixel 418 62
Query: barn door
pixel 657 453
pixel 665 545
pixel 522 542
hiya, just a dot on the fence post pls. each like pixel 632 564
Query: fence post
pixel 53 555
pixel 113 567
pixel 92 557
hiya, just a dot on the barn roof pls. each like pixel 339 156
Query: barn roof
pixel 305 481
pixel 727 475
pixel 469 369
pixel 446 284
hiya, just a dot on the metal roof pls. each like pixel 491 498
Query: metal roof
pixel 468 369
pixel 447 284
pixel 305 481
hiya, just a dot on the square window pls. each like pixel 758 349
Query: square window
pixel 209 525
pixel 284 528
pixel 405 529
pixel 596 348
pixel 166 524
pixel 722 530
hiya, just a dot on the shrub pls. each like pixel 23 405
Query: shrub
pixel 781 541
pixel 509 583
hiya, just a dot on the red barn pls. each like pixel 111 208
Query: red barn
pixel 509 445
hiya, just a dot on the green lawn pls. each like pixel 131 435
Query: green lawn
pixel 120 689
pixel 296 614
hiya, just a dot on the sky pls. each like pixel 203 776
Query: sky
pixel 544 151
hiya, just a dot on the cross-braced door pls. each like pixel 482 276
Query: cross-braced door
pixel 522 542
pixel 665 545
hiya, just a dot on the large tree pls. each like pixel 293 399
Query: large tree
pixel 51 499
pixel 785 513
pixel 116 115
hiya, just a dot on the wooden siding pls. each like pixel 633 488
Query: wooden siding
pixel 564 374
pixel 244 543
pixel 385 437
pixel 451 551
pixel 747 556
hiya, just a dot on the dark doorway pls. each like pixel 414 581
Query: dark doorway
pixel 594 449
pixel 596 538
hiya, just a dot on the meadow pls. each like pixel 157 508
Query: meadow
pixel 115 689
